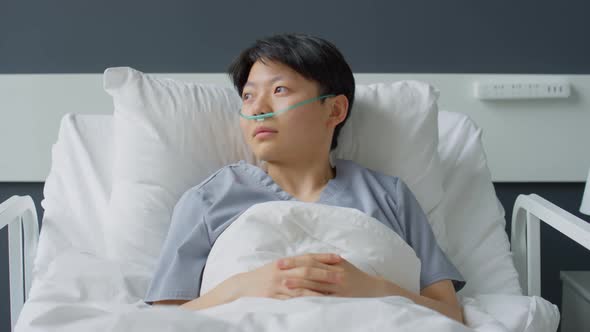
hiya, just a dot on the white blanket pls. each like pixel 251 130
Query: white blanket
pixel 272 230
pixel 80 291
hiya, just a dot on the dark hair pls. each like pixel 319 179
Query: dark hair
pixel 314 58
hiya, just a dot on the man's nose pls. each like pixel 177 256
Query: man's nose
pixel 260 106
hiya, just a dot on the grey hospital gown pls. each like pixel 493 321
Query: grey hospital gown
pixel 207 209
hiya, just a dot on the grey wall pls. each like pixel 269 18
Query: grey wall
pixel 83 36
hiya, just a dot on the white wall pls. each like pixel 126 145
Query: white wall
pixel 525 141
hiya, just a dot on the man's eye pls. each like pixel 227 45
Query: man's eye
pixel 245 96
pixel 280 89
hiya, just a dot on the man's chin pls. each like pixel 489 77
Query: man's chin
pixel 264 153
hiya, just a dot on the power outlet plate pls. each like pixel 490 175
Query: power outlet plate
pixel 521 90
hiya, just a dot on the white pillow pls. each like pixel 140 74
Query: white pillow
pixel 170 135
pixel 393 129
pixel 77 189
pixel 477 242
pixel 298 228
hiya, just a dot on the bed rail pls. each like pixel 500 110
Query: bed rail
pixel 529 211
pixel 20 215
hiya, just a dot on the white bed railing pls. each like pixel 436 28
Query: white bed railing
pixel 20 215
pixel 529 211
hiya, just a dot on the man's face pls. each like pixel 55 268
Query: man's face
pixel 298 133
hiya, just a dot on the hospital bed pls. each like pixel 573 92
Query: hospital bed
pixel 58 279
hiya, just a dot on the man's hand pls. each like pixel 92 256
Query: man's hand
pixel 350 281
pixel 353 282
pixel 273 280
pixel 270 281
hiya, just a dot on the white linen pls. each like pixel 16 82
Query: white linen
pixel 77 189
pixel 171 135
pixel 273 230
pixel 168 137
pixel 393 129
pixel 61 296
pixel 82 292
pixel 516 312
pixel 478 243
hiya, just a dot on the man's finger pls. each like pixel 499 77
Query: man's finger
pixel 294 262
pixel 312 273
pixel 319 287
pixel 327 258
pixel 281 297
pixel 309 260
pixel 299 292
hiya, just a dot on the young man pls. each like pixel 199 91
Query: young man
pixel 297 92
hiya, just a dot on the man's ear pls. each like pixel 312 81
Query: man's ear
pixel 338 110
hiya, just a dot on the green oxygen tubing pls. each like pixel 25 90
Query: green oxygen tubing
pixel 261 117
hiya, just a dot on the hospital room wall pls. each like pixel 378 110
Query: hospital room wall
pixel 382 36
pixel 378 36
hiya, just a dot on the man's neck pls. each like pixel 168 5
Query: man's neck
pixel 304 179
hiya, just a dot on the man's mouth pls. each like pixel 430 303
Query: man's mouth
pixel 264 131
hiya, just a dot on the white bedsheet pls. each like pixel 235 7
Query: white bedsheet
pixel 75 289
pixel 83 292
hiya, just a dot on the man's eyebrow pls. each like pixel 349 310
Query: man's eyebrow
pixel 272 80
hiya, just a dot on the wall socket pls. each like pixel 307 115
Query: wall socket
pixel 491 90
